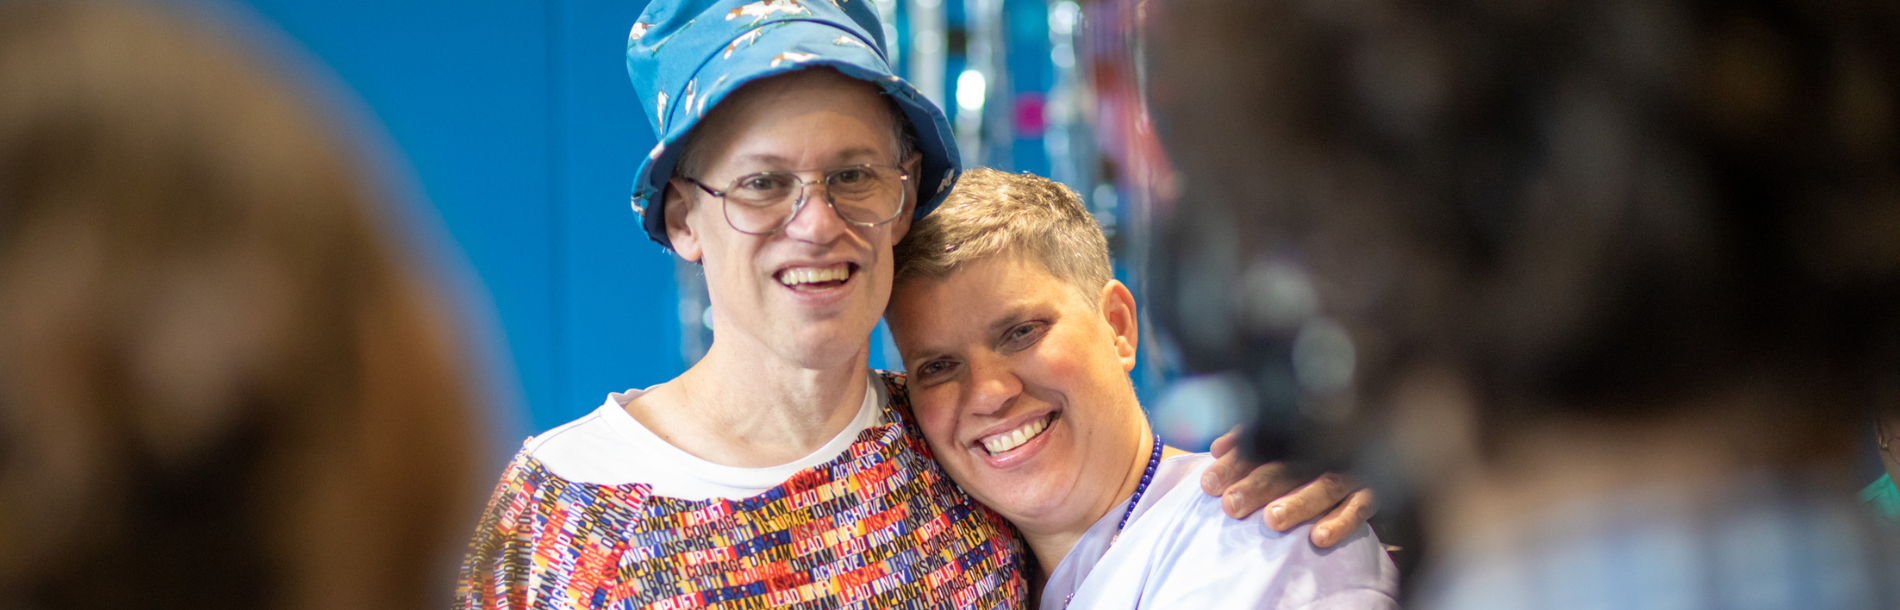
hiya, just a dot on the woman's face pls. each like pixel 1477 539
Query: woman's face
pixel 1020 384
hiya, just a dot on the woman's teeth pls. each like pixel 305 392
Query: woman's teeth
pixel 1015 438
pixel 812 275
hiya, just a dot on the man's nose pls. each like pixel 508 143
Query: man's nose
pixel 816 221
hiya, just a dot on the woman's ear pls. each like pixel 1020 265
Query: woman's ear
pixel 678 205
pixel 1118 309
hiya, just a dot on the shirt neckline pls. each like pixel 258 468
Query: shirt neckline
pixel 1093 545
pixel 614 412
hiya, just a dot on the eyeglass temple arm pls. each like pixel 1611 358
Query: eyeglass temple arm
pixel 702 186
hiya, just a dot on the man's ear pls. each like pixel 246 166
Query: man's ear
pixel 911 165
pixel 1118 309
pixel 678 205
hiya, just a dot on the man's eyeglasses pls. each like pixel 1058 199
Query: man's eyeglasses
pixel 761 203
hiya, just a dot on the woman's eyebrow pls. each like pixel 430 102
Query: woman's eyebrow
pixel 1009 317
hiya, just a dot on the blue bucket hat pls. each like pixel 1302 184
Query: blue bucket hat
pixel 685 56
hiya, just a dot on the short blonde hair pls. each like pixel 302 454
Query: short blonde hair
pixel 990 213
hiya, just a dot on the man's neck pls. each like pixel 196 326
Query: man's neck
pixel 740 406
pixel 1052 545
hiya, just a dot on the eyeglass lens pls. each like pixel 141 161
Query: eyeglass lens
pixel 865 194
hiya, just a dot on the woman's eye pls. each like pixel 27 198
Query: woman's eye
pixel 1024 334
pixel 933 368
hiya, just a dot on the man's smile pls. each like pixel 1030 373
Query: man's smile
pixel 816 277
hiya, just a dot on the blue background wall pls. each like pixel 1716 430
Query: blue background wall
pixel 523 135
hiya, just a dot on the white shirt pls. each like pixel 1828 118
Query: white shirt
pixel 1180 550
pixel 610 447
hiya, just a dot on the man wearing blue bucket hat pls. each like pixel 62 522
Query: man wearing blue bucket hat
pixel 779 471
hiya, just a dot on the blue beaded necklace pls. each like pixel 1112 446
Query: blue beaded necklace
pixel 1147 476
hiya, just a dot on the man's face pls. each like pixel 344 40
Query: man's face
pixel 1021 386
pixel 810 292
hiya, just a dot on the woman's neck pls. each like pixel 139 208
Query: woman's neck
pixel 1051 545
pixel 740 406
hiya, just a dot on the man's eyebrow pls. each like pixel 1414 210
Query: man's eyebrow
pixel 767 159
pixel 861 151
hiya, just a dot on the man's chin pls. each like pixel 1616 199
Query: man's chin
pixel 824 344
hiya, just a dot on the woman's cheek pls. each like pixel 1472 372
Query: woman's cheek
pixel 936 414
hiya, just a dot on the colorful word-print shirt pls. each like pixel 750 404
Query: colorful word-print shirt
pixel 879 526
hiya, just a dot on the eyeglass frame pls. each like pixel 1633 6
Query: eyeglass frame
pixel 804 194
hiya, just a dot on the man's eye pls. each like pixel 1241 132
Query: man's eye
pixel 763 183
pixel 850 176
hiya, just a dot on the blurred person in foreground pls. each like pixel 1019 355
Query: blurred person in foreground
pixel 779 470
pixel 1882 497
pixel 222 382
pixel 1611 284
pixel 1019 341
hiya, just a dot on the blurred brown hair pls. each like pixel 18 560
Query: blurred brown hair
pixel 221 382
pixel 1601 208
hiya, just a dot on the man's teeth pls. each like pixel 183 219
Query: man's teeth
pixel 813 275
pixel 1015 438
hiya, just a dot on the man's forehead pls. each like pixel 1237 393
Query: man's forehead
pixel 744 157
pixel 838 94
pixel 848 92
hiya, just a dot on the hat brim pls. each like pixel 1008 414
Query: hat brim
pixel 941 162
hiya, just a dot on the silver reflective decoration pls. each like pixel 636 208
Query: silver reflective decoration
pixel 695 310
pixel 1204 293
pixel 1276 295
pixel 927 56
pixel 1323 357
pixel 1193 411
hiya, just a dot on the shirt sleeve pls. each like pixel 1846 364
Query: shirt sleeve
pixel 1219 562
pixel 497 566
pixel 545 542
